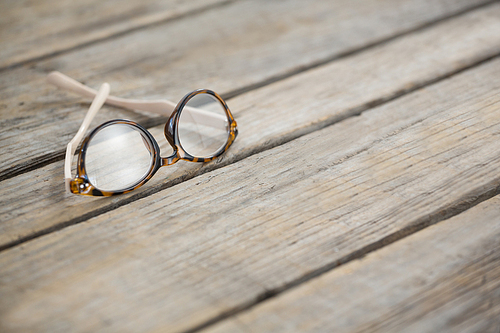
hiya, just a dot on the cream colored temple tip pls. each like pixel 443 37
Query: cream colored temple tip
pixel 59 79
pixel 64 82
pixel 55 77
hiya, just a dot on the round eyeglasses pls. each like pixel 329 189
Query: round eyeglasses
pixel 120 155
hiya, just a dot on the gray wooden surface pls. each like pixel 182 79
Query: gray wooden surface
pixel 361 124
pixel 444 278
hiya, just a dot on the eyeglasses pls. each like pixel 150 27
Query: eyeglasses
pixel 120 155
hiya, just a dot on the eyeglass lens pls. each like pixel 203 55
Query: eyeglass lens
pixel 198 137
pixel 118 157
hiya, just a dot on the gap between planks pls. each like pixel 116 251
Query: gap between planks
pixel 326 121
pixel 48 158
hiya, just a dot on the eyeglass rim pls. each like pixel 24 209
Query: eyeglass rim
pixel 82 184
pixel 171 129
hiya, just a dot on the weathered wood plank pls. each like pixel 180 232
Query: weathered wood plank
pixel 443 279
pixel 228 49
pixel 33 29
pixel 35 201
pixel 223 240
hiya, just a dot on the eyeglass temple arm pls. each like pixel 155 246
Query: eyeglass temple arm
pixel 96 105
pixel 161 107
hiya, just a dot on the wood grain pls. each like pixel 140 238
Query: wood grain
pixel 235 47
pixel 33 29
pixel 224 240
pixel 442 279
pixel 35 202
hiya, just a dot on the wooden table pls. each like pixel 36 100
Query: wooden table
pixel 360 194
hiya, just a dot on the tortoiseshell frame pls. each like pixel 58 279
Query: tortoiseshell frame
pixel 81 183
